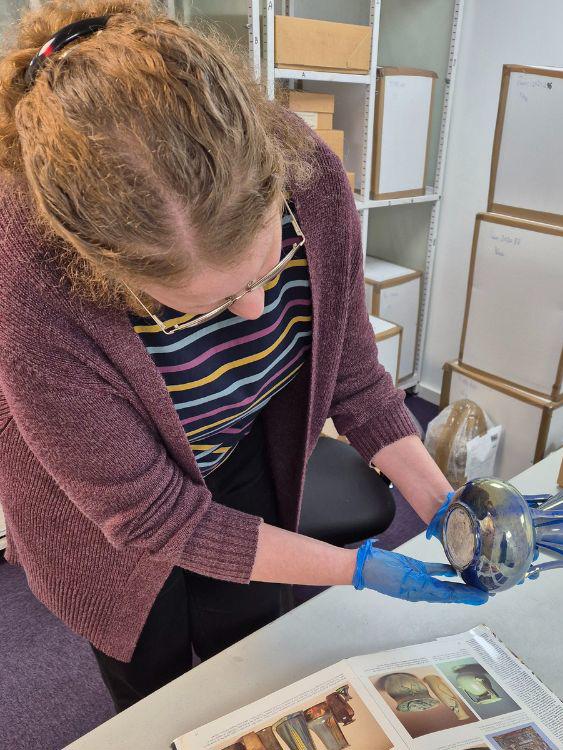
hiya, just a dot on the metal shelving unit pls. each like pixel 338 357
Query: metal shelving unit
pixel 438 185
pixel 366 81
pixel 364 203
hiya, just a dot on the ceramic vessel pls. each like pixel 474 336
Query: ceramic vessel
pixel 446 696
pixel 321 721
pixel 477 689
pixel 410 693
pixel 490 532
pixel 339 703
pixel 269 739
pixel 294 731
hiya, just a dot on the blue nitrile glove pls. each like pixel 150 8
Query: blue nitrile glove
pixel 435 525
pixel 405 578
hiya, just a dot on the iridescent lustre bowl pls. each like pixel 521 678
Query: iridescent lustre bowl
pixel 490 533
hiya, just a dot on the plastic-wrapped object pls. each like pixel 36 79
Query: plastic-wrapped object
pixel 448 434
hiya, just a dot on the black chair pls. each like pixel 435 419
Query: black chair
pixel 344 501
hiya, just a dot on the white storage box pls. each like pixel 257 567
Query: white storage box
pixel 513 325
pixel 396 297
pixel 388 337
pixel 402 131
pixel 532 427
pixel 526 173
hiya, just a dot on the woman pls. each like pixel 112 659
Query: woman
pixel 182 308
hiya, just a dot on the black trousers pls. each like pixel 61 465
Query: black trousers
pixel 196 611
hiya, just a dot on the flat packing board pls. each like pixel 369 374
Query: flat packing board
pixel 526 167
pixel 513 325
pixel 402 131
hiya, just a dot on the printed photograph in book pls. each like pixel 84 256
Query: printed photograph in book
pixel 330 722
pixel 475 684
pixel 527 737
pixel 422 701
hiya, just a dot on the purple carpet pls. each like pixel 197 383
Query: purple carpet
pixel 51 692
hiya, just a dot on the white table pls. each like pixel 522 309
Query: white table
pixel 344 622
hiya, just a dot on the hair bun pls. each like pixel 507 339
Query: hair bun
pixel 23 39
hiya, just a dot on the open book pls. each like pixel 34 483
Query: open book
pixel 462 692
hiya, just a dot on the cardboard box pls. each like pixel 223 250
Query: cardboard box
pixel 329 430
pixel 403 111
pixel 308 44
pixel 351 179
pixel 335 140
pixel 395 295
pixel 317 120
pixel 532 426
pixel 526 175
pixel 308 101
pixel 513 324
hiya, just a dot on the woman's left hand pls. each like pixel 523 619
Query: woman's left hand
pixel 404 577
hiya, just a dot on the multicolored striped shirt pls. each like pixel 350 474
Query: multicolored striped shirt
pixel 222 373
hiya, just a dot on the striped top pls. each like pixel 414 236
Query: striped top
pixel 222 373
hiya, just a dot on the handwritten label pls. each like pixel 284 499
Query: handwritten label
pixel 501 240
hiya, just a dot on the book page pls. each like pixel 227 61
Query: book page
pixel 328 710
pixel 464 692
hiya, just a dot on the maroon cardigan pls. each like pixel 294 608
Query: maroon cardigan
pixel 99 485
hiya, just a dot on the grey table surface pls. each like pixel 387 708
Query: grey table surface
pixel 338 623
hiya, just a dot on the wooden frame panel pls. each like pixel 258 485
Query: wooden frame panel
pixel 492 205
pixel 382 74
pixel 556 393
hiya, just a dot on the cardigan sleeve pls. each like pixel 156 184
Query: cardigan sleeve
pixel 108 459
pixel 366 407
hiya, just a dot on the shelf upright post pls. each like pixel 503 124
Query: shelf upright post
pixel 253 26
pixel 369 114
pixel 438 184
pixel 171 8
pixel 269 45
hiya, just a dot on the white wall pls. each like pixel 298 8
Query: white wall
pixel 494 32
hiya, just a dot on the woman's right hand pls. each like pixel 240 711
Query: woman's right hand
pixel 403 577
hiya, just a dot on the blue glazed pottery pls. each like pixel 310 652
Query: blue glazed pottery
pixel 491 531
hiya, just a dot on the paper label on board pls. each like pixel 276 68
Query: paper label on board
pixel 482 453
pixel 311 118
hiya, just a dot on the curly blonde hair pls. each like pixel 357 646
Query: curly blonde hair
pixel 133 134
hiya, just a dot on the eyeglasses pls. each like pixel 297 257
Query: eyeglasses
pixel 250 287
